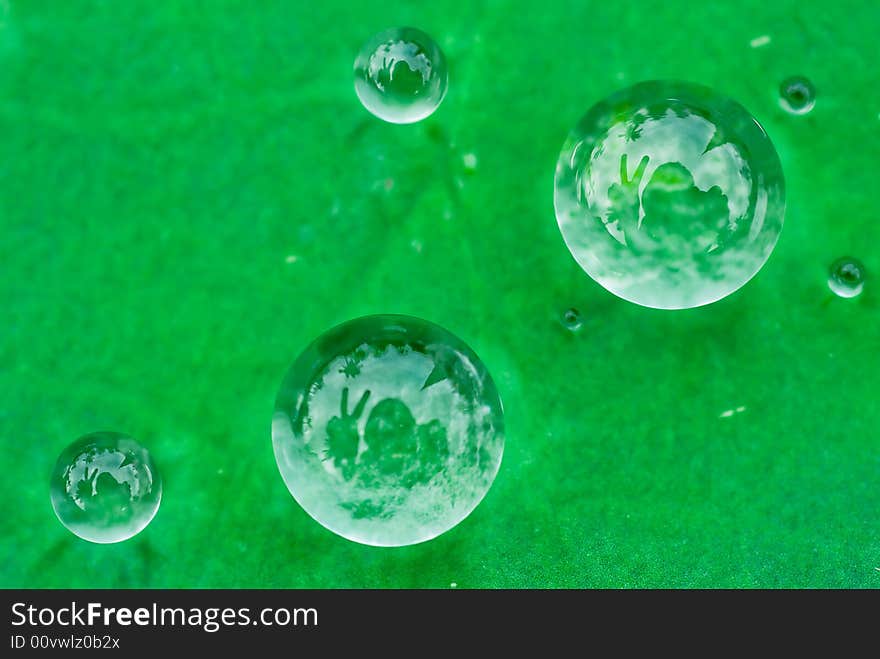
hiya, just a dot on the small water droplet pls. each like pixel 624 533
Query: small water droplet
pixel 571 319
pixel 846 277
pixel 105 487
pixel 797 95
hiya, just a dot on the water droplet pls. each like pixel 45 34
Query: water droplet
pixel 669 195
pixel 105 487
pixel 571 319
pixel 846 277
pixel 400 75
pixel 388 430
pixel 797 95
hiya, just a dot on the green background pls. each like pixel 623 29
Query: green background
pixel 190 193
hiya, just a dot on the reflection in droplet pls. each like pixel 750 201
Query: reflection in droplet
pixel 105 487
pixel 797 95
pixel 388 430
pixel 400 75
pixel 846 277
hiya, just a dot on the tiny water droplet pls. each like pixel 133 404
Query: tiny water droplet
pixel 846 277
pixel 571 319
pixel 797 95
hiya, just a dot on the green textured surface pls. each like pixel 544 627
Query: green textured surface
pixel 163 162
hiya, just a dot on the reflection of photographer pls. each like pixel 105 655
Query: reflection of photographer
pixel 671 207
pixel 395 445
